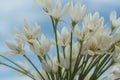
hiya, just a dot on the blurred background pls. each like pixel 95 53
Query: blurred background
pixel 14 12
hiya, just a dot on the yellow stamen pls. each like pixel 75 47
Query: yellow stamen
pixel 29 37
pixel 93 47
pixel 118 43
pixel 18 49
pixel 41 50
pixel 64 42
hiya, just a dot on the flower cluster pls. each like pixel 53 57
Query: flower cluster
pixel 84 53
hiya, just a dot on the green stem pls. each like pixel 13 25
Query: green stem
pixel 71 56
pixel 77 61
pixel 103 71
pixel 100 66
pixel 17 70
pixel 40 59
pixel 34 66
pixel 15 64
pixel 106 62
pixel 64 51
pixel 56 40
pixel 104 65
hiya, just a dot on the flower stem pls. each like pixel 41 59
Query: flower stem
pixel 64 51
pixel 71 56
pixel 34 66
pixel 17 70
pixel 15 64
pixel 56 40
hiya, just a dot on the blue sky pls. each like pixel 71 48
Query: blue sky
pixel 14 12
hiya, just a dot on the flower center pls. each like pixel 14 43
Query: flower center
pixel 93 47
pixel 18 49
pixel 64 42
pixel 41 50
pixel 118 43
pixel 29 37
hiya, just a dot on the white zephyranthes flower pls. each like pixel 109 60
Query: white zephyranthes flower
pixel 24 66
pixel 38 77
pixel 58 11
pixel 99 43
pixel 42 47
pixel 116 54
pixel 16 48
pixel 75 51
pixel 77 12
pixel 80 34
pixel 46 66
pixel 45 4
pixel 114 21
pixel 64 37
pixel 116 71
pixel 116 38
pixel 64 62
pixel 50 67
pixel 104 39
pixel 93 22
pixel 29 33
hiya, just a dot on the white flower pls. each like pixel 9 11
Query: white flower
pixel 42 47
pixel 50 67
pixel 104 39
pixel 114 21
pixel 45 4
pixel 24 66
pixel 64 62
pixel 78 12
pixel 38 77
pixel 116 54
pixel 58 11
pixel 75 51
pixel 64 38
pixel 15 48
pixel 93 22
pixel 46 66
pixel 29 33
pixel 116 38
pixel 116 71
pixel 99 43
pixel 80 34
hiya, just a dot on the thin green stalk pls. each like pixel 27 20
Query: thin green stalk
pixel 93 62
pixel 34 66
pixel 104 71
pixel 106 62
pixel 64 51
pixel 82 66
pixel 63 74
pixel 102 64
pixel 55 32
pixel 52 76
pixel 71 56
pixel 56 40
pixel 17 70
pixel 66 75
pixel 77 62
pixel 15 64
pixel 83 70
pixel 40 59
